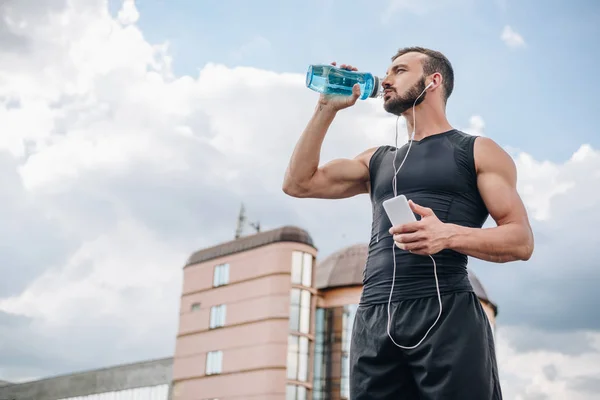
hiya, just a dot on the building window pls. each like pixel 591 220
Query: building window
pixel 347 324
pixel 297 359
pixel 320 390
pixel 217 316
pixel 300 310
pixel 195 307
pixel 221 275
pixel 214 362
pixel 294 392
pixel 302 267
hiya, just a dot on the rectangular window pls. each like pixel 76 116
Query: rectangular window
pixel 297 267
pixel 221 275
pixel 300 310
pixel 348 316
pixel 321 355
pixel 302 266
pixel 217 316
pixel 297 360
pixel 214 362
pixel 195 307
pixel 292 357
pixel 293 392
pixel 307 267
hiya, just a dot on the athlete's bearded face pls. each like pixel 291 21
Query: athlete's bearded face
pixel 397 103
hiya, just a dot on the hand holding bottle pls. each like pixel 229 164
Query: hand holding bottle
pixel 337 102
pixel 341 86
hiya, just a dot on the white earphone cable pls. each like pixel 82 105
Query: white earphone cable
pixel 395 189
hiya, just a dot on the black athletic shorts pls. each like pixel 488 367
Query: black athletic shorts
pixel 456 361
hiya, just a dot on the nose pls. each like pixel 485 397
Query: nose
pixel 385 82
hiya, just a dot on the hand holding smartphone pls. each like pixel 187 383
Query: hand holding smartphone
pixel 398 210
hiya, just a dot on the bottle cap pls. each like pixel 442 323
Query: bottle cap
pixel 377 88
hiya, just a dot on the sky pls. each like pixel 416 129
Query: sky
pixel 132 133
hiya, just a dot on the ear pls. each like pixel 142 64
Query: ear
pixel 435 80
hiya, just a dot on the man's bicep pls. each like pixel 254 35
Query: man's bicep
pixel 500 197
pixel 341 178
pixel 343 171
pixel 497 183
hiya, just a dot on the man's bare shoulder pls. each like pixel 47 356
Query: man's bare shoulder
pixel 365 159
pixel 365 156
pixel 490 156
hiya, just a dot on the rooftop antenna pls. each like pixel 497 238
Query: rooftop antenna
pixel 241 221
pixel 256 226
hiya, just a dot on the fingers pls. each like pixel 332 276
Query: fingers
pixel 345 66
pixel 406 228
pixel 347 101
pixel 420 252
pixel 355 93
pixel 348 67
pixel 415 247
pixel 408 238
pixel 410 241
pixel 422 211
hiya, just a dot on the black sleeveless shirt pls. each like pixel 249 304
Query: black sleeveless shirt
pixel 438 173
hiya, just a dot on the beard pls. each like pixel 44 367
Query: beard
pixel 399 104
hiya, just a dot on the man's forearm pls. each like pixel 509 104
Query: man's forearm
pixel 306 155
pixel 510 242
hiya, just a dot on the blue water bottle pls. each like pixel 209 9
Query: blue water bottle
pixel 331 80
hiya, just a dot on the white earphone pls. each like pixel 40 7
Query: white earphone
pixel 437 284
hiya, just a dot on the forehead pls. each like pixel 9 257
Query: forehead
pixel 412 61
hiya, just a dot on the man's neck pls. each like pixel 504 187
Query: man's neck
pixel 427 121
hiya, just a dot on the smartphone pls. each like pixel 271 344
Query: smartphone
pixel 398 210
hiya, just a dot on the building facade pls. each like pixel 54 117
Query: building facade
pixel 259 319
pixel 245 306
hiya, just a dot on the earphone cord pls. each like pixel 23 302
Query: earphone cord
pixel 437 285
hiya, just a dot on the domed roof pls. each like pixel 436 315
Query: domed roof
pixel 283 234
pixel 342 268
pixel 345 268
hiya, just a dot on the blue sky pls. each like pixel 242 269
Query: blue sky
pixel 540 98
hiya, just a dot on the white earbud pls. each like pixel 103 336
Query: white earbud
pixel 428 86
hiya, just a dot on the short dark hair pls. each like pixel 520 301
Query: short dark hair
pixel 435 62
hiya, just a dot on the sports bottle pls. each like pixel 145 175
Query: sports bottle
pixel 332 80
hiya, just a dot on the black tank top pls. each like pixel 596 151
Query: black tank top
pixel 438 173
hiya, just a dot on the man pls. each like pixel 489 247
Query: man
pixel 453 181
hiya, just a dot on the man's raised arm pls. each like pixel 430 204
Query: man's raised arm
pixel 337 179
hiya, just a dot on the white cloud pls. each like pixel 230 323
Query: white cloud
pixel 546 374
pixel 128 169
pixel 511 38
pixel 97 276
pixel 476 126
pixel 128 14
pixel 547 187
